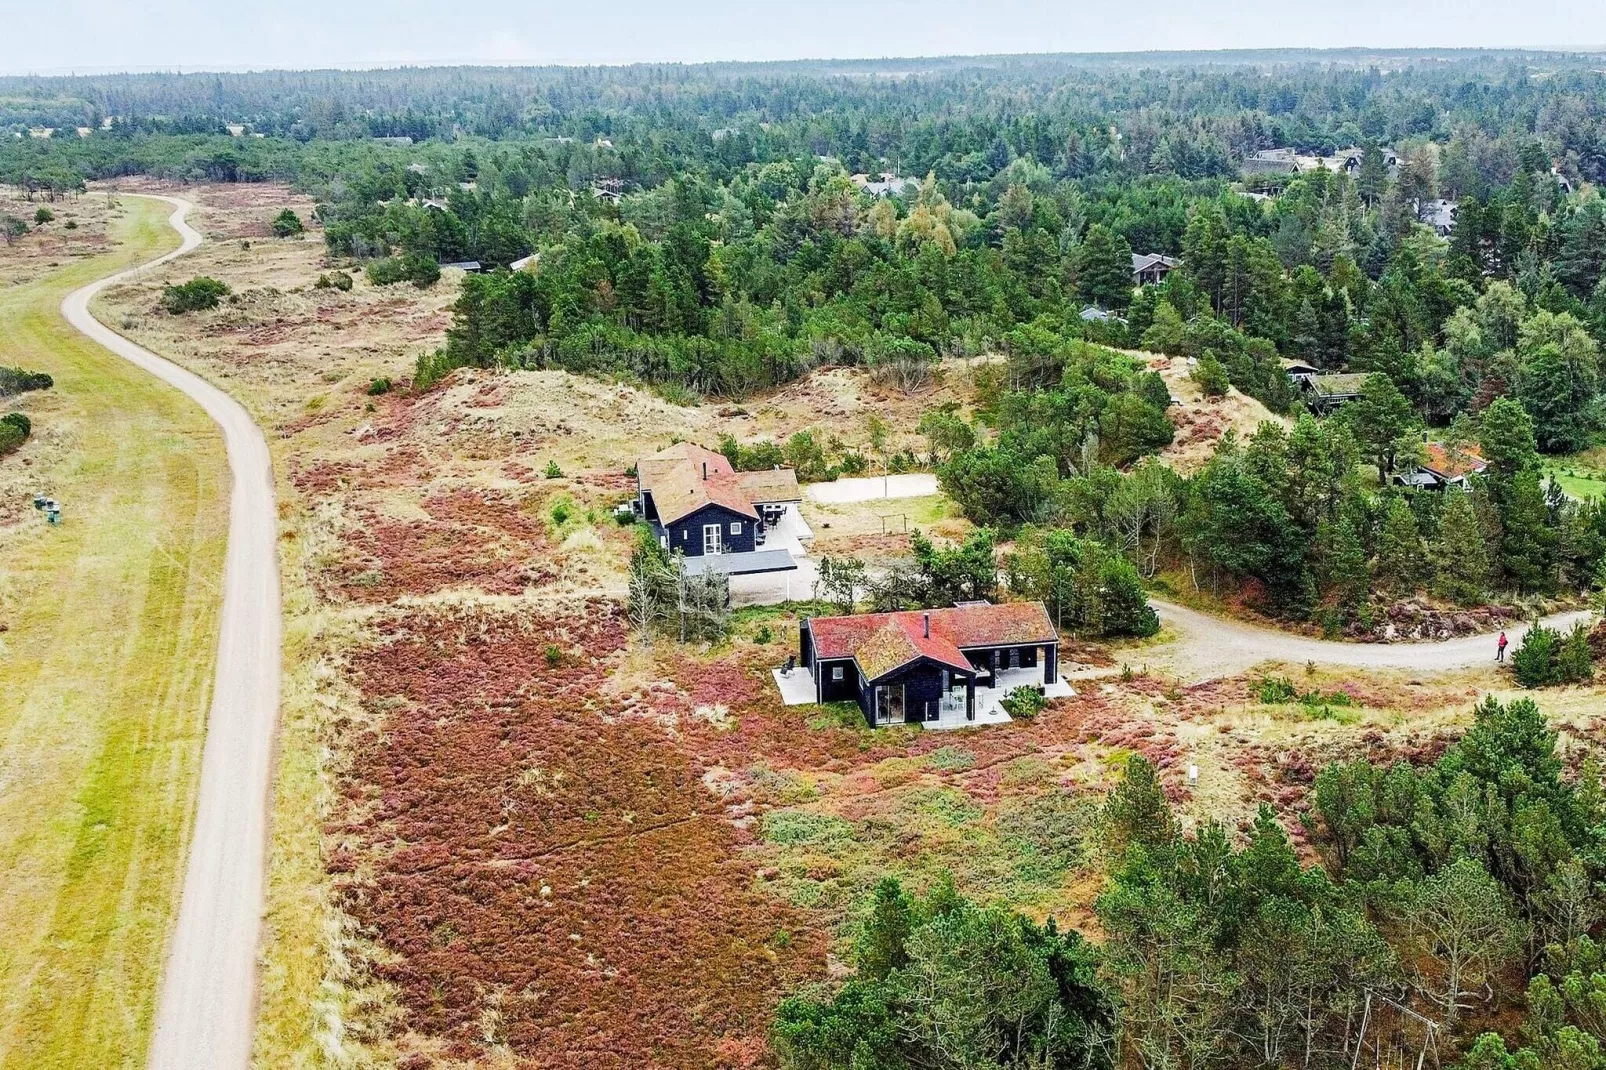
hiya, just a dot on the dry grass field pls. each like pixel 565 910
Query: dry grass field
pixel 509 834
pixel 107 642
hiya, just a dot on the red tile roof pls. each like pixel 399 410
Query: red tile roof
pixel 873 639
pixel 1452 462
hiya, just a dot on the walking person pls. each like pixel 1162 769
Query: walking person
pixel 1500 648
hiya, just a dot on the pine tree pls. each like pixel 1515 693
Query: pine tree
pixel 1399 549
pixel 1104 268
pixel 1460 558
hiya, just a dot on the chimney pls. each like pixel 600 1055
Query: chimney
pixel 705 471
pixel 928 625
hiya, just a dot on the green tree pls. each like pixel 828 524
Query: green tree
pixel 1399 548
pixel 1383 422
pixel 1104 268
pixel 1460 557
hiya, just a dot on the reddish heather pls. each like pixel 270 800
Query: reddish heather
pixel 550 876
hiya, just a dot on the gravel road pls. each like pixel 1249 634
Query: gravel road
pixel 207 1007
pixel 1208 647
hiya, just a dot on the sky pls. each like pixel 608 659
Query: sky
pixel 94 36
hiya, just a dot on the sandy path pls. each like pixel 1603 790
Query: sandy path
pixel 206 1011
pixel 1209 647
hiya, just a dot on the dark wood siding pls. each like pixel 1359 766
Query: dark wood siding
pixel 686 534
pixel 843 690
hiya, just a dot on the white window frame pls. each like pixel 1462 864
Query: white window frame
pixel 712 542
pixel 736 527
pixel 836 673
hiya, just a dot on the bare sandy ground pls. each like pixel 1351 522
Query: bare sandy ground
pixel 206 1012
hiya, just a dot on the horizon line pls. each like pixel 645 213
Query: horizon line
pixel 397 64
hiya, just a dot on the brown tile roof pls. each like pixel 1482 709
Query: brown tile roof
pixel 1451 462
pixel 772 485
pixel 876 636
pixel 685 477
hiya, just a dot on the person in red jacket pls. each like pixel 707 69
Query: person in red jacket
pixel 1500 648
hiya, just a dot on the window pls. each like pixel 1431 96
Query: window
pixel 663 540
pixel 836 672
pixel 736 527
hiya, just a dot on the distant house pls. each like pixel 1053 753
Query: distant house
pixel 1151 268
pixel 525 261
pixel 1286 161
pixel 934 665
pixel 1443 467
pixel 399 139
pixel 887 184
pixel 1095 314
pixel 1324 393
pixel 469 266
pixel 699 506
pixel 1271 162
pixel 1438 214
pixel 1300 372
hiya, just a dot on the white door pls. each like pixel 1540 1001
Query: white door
pixel 711 540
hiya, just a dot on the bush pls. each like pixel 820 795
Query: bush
pixel 71 224
pixel 43 216
pixel 193 296
pixel 1211 375
pixel 1023 703
pixel 1534 663
pixel 379 386
pixel 553 471
pixel 1547 657
pixel 287 224
pixel 1276 690
pixel 17 381
pixel 420 270
pixel 335 280
pixel 14 431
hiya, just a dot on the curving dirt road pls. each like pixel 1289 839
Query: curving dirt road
pixel 1208 647
pixel 206 1011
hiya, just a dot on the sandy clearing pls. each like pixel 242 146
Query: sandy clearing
pixel 206 1010
pixel 868 488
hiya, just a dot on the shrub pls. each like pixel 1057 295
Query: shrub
pixel 18 381
pixel 193 296
pixel 1534 663
pixel 335 280
pixel 379 386
pixel 764 634
pixel 1575 660
pixel 43 216
pixel 553 471
pixel 420 270
pixel 553 656
pixel 1275 690
pixel 1023 703
pixel 1211 375
pixel 14 431
pixel 71 224
pixel 287 224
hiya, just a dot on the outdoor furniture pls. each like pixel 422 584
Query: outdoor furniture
pixel 791 663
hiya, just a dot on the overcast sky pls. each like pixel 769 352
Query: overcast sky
pixel 100 35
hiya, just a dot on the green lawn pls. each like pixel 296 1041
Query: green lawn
pixel 105 674
pixel 1580 476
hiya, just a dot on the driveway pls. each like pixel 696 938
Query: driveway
pixel 206 1011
